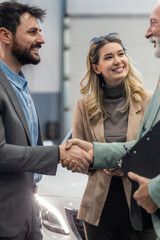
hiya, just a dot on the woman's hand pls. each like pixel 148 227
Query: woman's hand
pixel 114 172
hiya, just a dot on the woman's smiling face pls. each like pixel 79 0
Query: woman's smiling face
pixel 113 64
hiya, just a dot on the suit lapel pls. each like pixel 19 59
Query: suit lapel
pixel 134 120
pixel 15 102
pixel 152 110
pixel 98 131
pixel 151 115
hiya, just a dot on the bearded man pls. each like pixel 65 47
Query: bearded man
pixel 20 157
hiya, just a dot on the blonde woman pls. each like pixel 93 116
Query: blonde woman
pixel 111 110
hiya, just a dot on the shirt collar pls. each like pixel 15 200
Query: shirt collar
pixel 17 79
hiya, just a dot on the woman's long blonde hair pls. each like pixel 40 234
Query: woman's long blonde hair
pixel 92 89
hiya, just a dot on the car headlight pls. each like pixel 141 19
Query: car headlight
pixel 51 217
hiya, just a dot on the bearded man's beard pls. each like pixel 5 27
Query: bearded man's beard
pixel 156 50
pixel 23 54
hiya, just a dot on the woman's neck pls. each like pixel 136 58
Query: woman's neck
pixel 113 92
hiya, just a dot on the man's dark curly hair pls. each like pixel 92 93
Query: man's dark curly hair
pixel 10 13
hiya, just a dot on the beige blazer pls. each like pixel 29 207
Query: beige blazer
pixel 98 182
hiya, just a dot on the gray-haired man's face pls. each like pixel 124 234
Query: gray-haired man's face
pixel 153 32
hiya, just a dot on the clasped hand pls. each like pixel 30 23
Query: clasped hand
pixel 76 155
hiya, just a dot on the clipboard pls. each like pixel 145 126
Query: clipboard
pixel 144 157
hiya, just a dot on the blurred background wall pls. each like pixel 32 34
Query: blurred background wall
pixel 91 18
pixel 68 28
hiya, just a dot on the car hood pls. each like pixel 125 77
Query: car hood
pixel 63 184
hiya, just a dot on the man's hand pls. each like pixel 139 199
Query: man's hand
pixel 86 146
pixel 75 158
pixel 142 195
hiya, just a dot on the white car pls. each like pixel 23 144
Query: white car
pixel 59 197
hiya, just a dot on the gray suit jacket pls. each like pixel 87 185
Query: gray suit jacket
pixel 18 161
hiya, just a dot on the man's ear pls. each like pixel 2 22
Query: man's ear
pixel 96 68
pixel 5 35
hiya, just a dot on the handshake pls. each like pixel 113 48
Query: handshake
pixel 76 155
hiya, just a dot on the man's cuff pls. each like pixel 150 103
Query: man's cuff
pixel 102 156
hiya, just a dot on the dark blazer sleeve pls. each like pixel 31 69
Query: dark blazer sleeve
pixel 13 158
